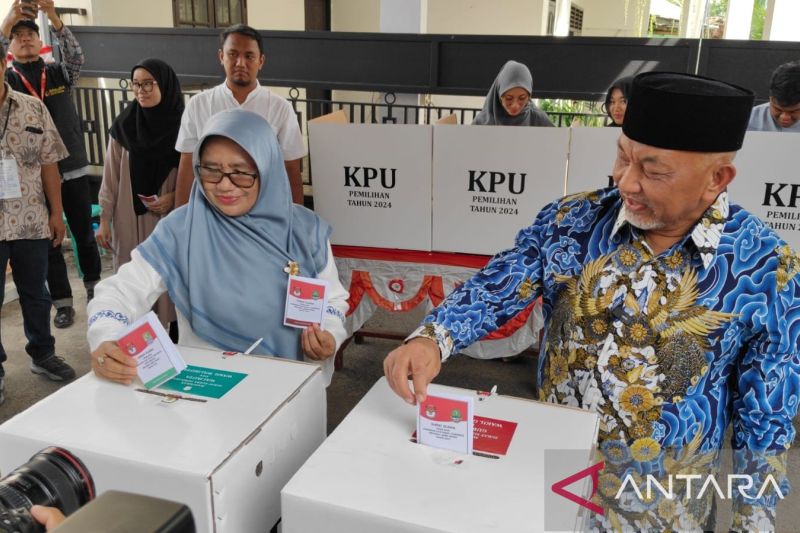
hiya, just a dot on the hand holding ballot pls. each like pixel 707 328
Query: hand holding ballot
pixel 110 362
pixel 317 344
pixel 419 360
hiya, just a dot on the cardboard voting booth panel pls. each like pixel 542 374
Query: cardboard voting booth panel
pixel 372 182
pixel 767 181
pixel 491 181
pixel 592 152
pixel 369 476
pixel 226 458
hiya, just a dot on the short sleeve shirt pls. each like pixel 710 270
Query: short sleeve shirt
pixel 32 139
pixel 278 112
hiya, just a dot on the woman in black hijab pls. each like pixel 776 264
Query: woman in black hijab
pixel 141 165
pixel 617 100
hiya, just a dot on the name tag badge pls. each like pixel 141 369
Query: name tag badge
pixel 9 177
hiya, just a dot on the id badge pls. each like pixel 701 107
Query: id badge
pixel 9 177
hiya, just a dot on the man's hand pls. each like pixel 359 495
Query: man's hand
pixel 111 363
pixel 15 14
pixel 49 517
pixel 163 205
pixel 317 344
pixel 49 8
pixel 418 359
pixel 57 228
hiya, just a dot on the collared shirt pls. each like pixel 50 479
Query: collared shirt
pixel 668 349
pixel 278 112
pixel 761 120
pixel 32 139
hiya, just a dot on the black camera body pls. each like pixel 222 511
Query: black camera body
pixel 53 477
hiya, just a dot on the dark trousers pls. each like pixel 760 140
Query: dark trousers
pixel 78 210
pixel 29 270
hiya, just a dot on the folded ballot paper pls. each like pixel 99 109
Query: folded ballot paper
pixel 158 359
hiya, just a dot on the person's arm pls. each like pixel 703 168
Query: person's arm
pixel 766 387
pixel 318 343
pixel 183 186
pixel 109 189
pixel 486 301
pixel 72 57
pixel 119 301
pixel 51 181
pixel 14 15
pixel 295 180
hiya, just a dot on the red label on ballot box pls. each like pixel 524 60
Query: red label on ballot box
pixel 491 435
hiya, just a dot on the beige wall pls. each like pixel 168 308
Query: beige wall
pixel 481 17
pixel 610 18
pixel 356 15
pixel 276 14
pixel 5 5
pixel 132 13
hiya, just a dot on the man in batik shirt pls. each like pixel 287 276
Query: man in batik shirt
pixel 669 311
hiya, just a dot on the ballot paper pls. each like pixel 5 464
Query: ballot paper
pixel 148 199
pixel 306 299
pixel 9 179
pixel 157 359
pixel 446 421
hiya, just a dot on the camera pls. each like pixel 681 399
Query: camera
pixel 53 477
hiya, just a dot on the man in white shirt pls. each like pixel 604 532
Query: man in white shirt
pixel 782 112
pixel 242 56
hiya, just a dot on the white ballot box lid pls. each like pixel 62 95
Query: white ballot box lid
pixel 190 436
pixel 369 476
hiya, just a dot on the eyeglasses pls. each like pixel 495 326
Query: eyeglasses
pixel 146 86
pixel 243 180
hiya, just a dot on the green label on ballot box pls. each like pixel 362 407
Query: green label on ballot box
pixel 202 381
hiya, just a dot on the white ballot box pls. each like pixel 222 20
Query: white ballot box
pixel 489 182
pixel 369 476
pixel 372 182
pixel 592 152
pixel 767 181
pixel 226 456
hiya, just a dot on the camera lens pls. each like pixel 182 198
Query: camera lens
pixel 52 477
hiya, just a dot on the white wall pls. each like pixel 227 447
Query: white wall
pixel 783 27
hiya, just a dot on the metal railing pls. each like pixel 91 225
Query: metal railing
pixel 98 107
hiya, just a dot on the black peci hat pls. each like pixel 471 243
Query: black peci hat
pixel 25 23
pixel 686 112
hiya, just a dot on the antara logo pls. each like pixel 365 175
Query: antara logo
pixel 594 471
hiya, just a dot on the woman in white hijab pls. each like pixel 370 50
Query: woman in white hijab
pixel 508 102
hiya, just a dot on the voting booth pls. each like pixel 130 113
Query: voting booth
pixel 767 181
pixel 491 181
pixel 592 152
pixel 372 183
pixel 243 427
pixel 369 476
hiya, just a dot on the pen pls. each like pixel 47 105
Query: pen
pixel 253 347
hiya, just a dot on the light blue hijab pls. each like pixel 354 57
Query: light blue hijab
pixel 226 274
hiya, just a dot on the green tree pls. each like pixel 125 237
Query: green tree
pixel 757 22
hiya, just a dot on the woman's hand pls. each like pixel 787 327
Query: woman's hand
pixel 111 363
pixel 103 234
pixel 163 205
pixel 317 344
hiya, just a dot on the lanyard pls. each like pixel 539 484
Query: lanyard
pixel 28 85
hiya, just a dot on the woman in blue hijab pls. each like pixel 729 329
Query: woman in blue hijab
pixel 225 257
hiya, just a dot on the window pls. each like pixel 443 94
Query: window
pixel 575 20
pixel 208 13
